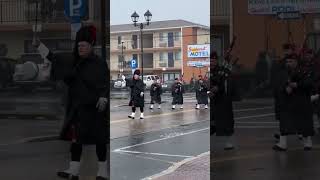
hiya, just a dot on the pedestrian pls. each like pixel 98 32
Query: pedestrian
pixel 295 102
pixel 177 94
pixel 222 93
pixel 201 93
pixel 155 93
pixel 86 109
pixel 279 70
pixel 137 94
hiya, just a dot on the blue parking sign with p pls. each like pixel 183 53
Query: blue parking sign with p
pixel 134 64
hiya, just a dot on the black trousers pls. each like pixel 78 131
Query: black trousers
pixel 134 109
pixel 76 151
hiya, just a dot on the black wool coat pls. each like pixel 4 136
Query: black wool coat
pixel 155 93
pixel 136 86
pixel 87 81
pixel 177 93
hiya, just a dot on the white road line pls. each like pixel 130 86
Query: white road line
pixel 254 122
pixel 253 109
pixel 156 154
pixel 150 158
pixel 253 127
pixel 161 139
pixel 255 116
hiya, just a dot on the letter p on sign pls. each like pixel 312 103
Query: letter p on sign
pixel 75 5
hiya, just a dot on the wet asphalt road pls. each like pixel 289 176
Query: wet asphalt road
pixel 143 148
pixel 254 158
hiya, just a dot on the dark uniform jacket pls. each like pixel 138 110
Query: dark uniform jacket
pixel 87 82
pixel 155 93
pixel 296 108
pixel 136 86
pixel 201 92
pixel 177 93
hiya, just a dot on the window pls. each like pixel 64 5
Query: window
pixel 162 56
pixel 161 36
pixel 177 55
pixel 119 39
pixel 177 36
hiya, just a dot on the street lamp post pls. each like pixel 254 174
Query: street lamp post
pixel 135 18
pixel 122 59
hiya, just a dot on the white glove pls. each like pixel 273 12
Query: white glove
pixel 123 77
pixel 141 94
pixel 314 97
pixel 102 104
pixel 43 50
pixel 208 92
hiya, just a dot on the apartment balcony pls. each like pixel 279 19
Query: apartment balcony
pixel 220 11
pixel 129 47
pixel 21 14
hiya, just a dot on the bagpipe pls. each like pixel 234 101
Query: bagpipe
pixel 305 64
pixel 178 88
pixel 223 70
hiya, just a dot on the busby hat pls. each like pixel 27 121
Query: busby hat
pixel 88 34
pixel 292 56
pixel 136 72
pixel 288 46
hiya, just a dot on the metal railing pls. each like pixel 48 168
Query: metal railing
pixel 26 11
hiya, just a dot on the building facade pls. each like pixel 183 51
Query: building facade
pixel 165 49
pixel 18 17
pixel 259 33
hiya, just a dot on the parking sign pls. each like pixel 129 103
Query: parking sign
pixel 134 64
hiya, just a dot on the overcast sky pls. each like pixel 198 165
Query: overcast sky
pixel 197 11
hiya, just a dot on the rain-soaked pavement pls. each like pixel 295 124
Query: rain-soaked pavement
pixel 254 158
pixel 142 148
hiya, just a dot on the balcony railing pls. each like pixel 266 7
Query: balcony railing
pixel 130 45
pixel 26 11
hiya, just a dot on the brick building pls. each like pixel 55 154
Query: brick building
pixel 165 46
pixel 256 33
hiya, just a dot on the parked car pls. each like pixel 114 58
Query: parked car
pixel 149 79
pixel 119 83
pixel 166 86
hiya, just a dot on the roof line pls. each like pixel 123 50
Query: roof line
pixel 158 29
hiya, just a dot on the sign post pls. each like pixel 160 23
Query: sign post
pixel 75 10
pixel 134 65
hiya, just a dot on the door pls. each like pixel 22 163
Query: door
pixel 170 40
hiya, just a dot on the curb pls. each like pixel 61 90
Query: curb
pixel 174 167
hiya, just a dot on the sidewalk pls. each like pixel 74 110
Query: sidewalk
pixel 190 169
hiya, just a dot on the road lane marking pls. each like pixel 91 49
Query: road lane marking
pixel 254 122
pixel 253 127
pixel 253 109
pixel 254 116
pixel 150 158
pixel 161 139
pixel 176 166
pixel 155 154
